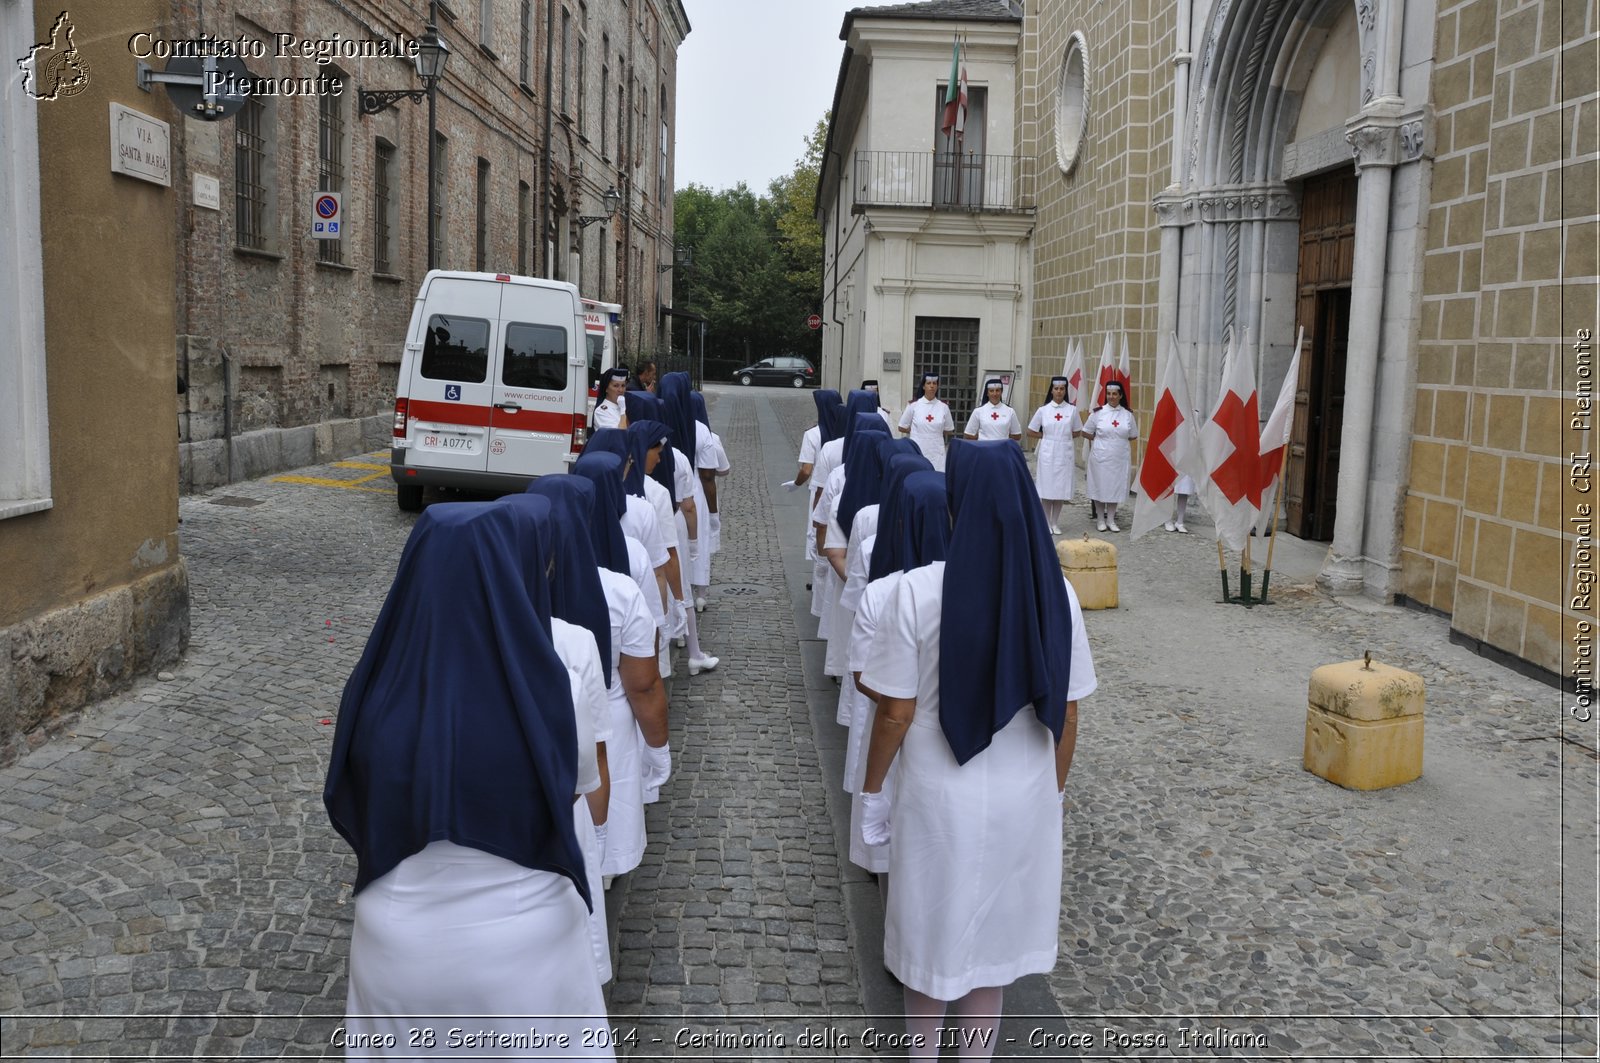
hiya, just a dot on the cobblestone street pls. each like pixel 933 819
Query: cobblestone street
pixel 170 886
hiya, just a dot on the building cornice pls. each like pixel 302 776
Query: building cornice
pixel 1226 204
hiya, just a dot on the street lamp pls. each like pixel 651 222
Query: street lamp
pixel 432 54
pixel 682 256
pixel 610 200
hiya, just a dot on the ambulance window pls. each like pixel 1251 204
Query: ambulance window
pixel 597 353
pixel 456 348
pixel 536 357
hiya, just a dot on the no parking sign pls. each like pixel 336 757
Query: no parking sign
pixel 326 223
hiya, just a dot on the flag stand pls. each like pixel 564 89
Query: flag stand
pixel 1244 577
pixel 1272 529
pixel 1222 570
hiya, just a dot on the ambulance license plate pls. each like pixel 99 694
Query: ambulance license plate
pixel 448 441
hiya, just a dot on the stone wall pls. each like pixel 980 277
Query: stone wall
pixel 1096 246
pixel 53 666
pixel 1508 277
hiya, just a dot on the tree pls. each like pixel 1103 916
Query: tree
pixel 757 265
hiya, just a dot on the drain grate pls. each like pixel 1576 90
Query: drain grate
pixel 741 590
pixel 235 500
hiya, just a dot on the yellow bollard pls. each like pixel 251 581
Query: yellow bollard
pixel 1364 725
pixel 1090 565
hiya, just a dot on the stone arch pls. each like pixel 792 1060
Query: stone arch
pixel 1241 215
pixel 1232 230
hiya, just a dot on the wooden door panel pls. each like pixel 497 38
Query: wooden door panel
pixel 1327 246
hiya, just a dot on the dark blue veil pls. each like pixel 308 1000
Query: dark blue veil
pixel 604 471
pixel 457 723
pixel 1006 636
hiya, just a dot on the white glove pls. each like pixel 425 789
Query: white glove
pixel 716 525
pixel 1061 798
pixel 600 842
pixel 790 485
pixel 657 765
pixel 875 818
pixel 677 620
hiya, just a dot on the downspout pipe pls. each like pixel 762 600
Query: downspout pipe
pixel 546 236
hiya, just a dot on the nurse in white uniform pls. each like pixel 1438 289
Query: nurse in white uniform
pixel 608 412
pixel 1112 428
pixel 1054 424
pixel 994 419
pixel 456 764
pixel 928 422
pixel 978 664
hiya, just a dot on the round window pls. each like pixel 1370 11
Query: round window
pixel 1072 103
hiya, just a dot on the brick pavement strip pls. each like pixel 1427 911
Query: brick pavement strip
pixel 169 885
pixel 733 935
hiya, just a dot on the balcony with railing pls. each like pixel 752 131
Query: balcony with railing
pixel 944 180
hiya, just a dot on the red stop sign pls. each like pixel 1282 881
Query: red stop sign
pixel 814 321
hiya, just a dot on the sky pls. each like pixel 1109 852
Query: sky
pixel 754 76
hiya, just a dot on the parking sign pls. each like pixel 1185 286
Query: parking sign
pixel 326 219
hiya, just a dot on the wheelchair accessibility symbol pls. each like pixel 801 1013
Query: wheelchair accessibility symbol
pixel 452 392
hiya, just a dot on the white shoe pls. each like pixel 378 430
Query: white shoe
pixel 681 641
pixel 1182 529
pixel 1171 526
pixel 607 880
pixel 1115 526
pixel 699 605
pixel 1100 526
pixel 1055 530
pixel 703 664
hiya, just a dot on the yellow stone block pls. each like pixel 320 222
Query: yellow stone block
pixel 1364 727
pixel 1090 565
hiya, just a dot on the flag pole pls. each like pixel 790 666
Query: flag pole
pixel 1244 576
pixel 1283 470
pixel 1272 529
pixel 1222 570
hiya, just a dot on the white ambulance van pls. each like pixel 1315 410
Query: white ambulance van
pixel 600 322
pixel 494 384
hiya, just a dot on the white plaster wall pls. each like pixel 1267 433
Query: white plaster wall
pixel 902 102
pixel 24 408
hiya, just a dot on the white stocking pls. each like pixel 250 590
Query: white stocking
pixel 1183 507
pixel 978 1016
pixel 924 1020
pixel 693 640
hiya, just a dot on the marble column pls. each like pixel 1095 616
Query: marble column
pixel 1374 137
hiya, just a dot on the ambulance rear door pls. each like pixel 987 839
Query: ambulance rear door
pixel 451 392
pixel 539 396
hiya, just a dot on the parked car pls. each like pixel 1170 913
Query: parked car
pixel 781 369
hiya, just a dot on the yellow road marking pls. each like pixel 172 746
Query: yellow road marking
pixel 359 465
pixel 348 485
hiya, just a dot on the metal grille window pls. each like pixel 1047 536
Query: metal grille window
pixel 949 346
pixel 382 206
pixel 666 146
pixel 524 198
pixel 483 215
pixel 330 164
pixel 250 177
pixel 436 252
pixel 525 46
pixel 566 50
pixel 583 49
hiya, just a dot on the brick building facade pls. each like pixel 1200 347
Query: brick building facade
pixel 291 345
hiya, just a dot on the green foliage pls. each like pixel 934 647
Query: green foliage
pixel 757 266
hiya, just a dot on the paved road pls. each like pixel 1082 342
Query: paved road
pixel 169 885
